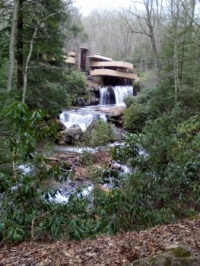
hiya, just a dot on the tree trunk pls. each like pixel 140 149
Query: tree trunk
pixel 147 26
pixel 157 59
pixel 176 57
pixel 25 76
pixel 12 46
pixel 150 11
pixel 27 64
pixel 19 55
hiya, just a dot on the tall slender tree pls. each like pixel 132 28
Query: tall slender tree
pixel 149 23
pixel 20 44
pixel 37 35
pixel 12 45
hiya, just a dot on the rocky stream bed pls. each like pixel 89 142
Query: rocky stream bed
pixel 175 244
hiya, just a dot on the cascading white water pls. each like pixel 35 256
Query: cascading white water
pixel 120 93
pixel 70 118
pixel 104 96
pixel 83 119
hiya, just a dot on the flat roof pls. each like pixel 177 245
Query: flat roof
pixel 71 53
pixel 100 57
pixel 118 64
pixel 84 48
pixel 70 60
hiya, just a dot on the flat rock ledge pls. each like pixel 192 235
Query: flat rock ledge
pixel 176 256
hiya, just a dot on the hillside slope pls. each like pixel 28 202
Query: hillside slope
pixel 115 250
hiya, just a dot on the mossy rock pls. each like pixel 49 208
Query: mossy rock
pixel 180 252
pixel 179 256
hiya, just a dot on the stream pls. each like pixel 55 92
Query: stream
pixel 111 100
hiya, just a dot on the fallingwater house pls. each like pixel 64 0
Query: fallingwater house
pixel 102 70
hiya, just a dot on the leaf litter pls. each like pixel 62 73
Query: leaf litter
pixel 120 249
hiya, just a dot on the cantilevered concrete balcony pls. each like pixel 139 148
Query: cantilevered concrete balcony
pixel 112 64
pixel 70 60
pixel 113 73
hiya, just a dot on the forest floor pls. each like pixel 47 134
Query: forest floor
pixel 113 250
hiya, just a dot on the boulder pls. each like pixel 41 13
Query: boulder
pixel 81 101
pixel 118 134
pixel 70 135
pixel 60 126
pixel 93 100
pixel 85 101
pixel 178 256
pixel 117 120
pixel 91 128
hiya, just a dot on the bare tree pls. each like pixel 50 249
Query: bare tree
pixel 148 22
pixel 108 34
pixel 175 8
pixel 179 29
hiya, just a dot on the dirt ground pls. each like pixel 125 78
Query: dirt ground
pixel 115 250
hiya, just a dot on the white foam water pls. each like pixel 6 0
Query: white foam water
pixel 120 93
pixel 82 117
pixel 71 118
pixel 64 198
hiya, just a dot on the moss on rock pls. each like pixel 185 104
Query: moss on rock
pixel 180 252
pixel 179 256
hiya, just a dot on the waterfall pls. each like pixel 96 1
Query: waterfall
pixel 119 92
pixel 107 95
pixel 69 119
pixel 103 95
pixel 81 118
